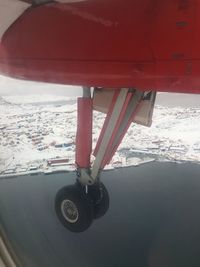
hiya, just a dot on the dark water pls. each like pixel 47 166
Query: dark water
pixel 153 219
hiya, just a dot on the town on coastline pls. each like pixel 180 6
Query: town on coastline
pixel 41 138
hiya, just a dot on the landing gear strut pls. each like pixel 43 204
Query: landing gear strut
pixel 121 111
pixel 78 205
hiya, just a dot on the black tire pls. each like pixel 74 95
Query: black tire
pixel 101 200
pixel 74 209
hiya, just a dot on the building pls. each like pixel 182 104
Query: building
pixel 57 162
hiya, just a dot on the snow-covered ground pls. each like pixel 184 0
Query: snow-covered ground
pixel 31 99
pixel 34 129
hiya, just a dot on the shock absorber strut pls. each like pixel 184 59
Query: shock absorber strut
pixel 84 135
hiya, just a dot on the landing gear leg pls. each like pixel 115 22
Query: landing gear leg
pixel 94 189
pixel 78 205
pixel 122 110
pixel 84 137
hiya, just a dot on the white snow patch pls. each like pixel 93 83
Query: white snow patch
pixel 30 99
pixel 29 134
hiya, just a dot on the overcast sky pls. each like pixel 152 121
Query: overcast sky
pixel 9 86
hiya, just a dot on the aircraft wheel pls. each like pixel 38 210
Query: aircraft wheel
pixel 74 209
pixel 101 199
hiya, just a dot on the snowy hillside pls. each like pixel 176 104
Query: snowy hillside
pixel 31 99
pixel 34 131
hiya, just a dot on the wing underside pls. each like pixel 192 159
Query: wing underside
pixel 143 44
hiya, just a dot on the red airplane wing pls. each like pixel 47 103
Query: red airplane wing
pixel 145 44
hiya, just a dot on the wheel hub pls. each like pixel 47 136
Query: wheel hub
pixel 69 211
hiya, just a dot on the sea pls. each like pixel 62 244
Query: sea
pixel 152 219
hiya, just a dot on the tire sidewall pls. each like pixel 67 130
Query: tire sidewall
pixel 83 204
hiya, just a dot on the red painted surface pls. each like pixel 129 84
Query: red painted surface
pixel 84 133
pixel 146 44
